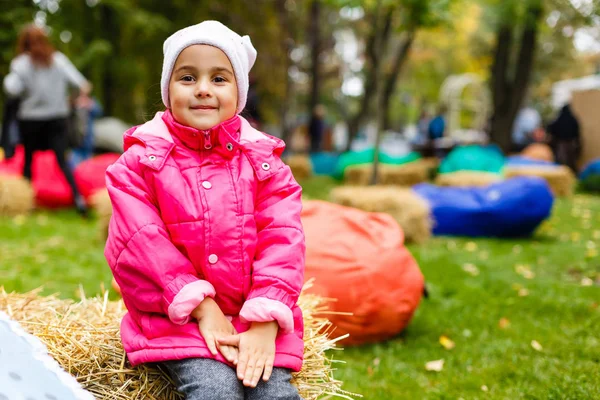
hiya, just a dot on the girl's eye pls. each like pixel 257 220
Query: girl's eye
pixel 219 79
pixel 187 78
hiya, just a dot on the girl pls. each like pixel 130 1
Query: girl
pixel 205 240
pixel 40 77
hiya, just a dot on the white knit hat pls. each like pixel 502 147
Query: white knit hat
pixel 238 49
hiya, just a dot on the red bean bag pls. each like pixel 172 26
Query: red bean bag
pixel 359 258
pixel 49 184
pixel 89 175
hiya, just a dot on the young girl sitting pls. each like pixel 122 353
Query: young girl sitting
pixel 205 240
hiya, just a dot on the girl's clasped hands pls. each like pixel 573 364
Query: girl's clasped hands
pixel 252 352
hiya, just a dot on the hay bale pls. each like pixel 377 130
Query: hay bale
pixel 16 196
pixel 300 165
pixel 408 174
pixel 538 151
pixel 100 202
pixel 467 179
pixel 408 209
pixel 560 178
pixel 83 337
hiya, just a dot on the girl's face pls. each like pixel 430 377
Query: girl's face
pixel 202 89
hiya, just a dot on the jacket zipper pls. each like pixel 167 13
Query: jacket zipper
pixel 207 143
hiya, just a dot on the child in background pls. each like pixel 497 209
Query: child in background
pixel 87 109
pixel 205 240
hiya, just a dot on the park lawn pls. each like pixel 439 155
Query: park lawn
pixel 524 315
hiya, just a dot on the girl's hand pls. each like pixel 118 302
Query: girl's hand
pixel 214 325
pixel 256 351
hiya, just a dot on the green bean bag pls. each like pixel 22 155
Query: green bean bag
pixel 366 157
pixel 473 158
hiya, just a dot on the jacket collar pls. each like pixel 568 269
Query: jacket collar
pixel 161 134
pixel 222 138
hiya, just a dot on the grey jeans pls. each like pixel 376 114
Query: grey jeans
pixel 206 379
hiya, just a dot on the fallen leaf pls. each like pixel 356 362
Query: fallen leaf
pixel 484 388
pixel 446 342
pixel 523 292
pixel 19 220
pixel 436 365
pixel 587 214
pixel 591 253
pixel 536 345
pixel 471 269
pixel 525 271
pixel 369 371
pixel 471 246
pixel 587 282
pixel 376 361
pixel 503 323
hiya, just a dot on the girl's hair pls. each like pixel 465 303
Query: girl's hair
pixel 34 41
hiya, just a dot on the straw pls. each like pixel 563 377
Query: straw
pixel 83 337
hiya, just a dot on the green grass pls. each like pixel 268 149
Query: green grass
pixel 59 251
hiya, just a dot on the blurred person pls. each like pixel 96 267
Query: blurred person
pixel 316 128
pixel 252 110
pixel 10 127
pixel 85 110
pixel 40 77
pixel 205 240
pixel 423 126
pixel 526 128
pixel 437 126
pixel 436 130
pixel 565 137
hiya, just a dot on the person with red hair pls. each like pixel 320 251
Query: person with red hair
pixel 40 78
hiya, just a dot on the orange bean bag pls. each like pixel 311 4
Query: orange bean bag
pixel 359 258
pixel 538 151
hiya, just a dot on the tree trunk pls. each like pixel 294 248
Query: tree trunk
pixel 108 21
pixel 315 46
pixel 383 117
pixel 287 44
pixel 392 78
pixel 508 95
pixel 375 47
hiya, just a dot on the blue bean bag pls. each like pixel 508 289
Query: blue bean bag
pixel 511 208
pixel 590 176
pixel 324 163
pixel 592 168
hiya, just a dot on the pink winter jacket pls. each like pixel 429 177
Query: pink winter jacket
pixel 204 213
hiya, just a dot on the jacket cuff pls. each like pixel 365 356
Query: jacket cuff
pixel 260 309
pixel 188 299
pixel 173 288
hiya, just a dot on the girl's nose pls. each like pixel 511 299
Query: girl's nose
pixel 203 88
